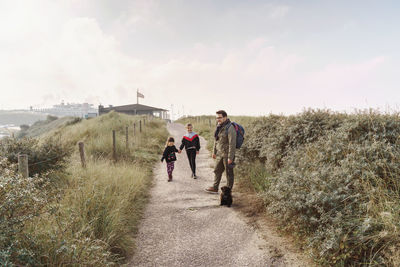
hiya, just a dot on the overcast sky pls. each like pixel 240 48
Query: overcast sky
pixel 247 57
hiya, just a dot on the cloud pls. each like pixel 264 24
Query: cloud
pixel 278 12
pixel 235 80
pixel 79 61
pixel 74 59
pixel 139 13
pixel 258 78
pixel 85 64
pixel 342 77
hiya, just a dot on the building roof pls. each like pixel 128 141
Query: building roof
pixel 136 107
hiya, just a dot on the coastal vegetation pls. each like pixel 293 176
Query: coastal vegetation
pixel 65 214
pixel 330 179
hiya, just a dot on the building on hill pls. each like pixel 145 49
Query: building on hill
pixel 137 109
pixel 69 109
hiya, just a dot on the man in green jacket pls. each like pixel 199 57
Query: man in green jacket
pixel 224 151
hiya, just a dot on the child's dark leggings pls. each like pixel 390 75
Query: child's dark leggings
pixel 191 154
pixel 170 167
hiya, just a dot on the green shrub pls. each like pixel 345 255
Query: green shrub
pixel 42 157
pixel 23 132
pixel 271 138
pixel 21 201
pixel 24 127
pixel 330 178
pixel 51 118
pixel 334 182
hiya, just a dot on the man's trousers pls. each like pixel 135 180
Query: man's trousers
pixel 221 166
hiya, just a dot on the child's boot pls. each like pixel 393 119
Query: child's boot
pixel 169 177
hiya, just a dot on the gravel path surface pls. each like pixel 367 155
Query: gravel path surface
pixel 184 226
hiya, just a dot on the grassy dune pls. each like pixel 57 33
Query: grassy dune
pixel 330 179
pixel 41 127
pixel 90 216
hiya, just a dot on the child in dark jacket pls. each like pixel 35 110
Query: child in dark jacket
pixel 191 142
pixel 169 156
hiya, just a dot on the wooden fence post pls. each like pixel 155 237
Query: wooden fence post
pixel 82 153
pixel 114 154
pixel 134 128
pixel 23 165
pixel 209 122
pixel 144 122
pixel 140 126
pixel 126 137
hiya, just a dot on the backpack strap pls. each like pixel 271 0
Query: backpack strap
pixel 227 128
pixel 237 128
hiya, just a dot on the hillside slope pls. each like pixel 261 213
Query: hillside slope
pixel 330 179
pixel 70 215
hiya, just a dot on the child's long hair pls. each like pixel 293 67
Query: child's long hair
pixel 170 141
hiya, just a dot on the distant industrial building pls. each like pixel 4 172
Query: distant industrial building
pixel 137 109
pixel 84 110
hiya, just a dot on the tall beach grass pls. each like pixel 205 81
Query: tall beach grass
pixel 93 212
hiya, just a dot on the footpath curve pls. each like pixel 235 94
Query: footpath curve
pixel 184 226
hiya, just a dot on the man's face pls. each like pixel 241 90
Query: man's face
pixel 220 119
pixel 189 129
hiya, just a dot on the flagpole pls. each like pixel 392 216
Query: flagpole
pixel 137 96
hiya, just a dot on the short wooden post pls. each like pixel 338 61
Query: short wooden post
pixel 23 165
pixel 144 122
pixel 140 126
pixel 126 137
pixel 134 128
pixel 209 122
pixel 82 153
pixel 114 152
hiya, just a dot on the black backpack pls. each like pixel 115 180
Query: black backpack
pixel 239 133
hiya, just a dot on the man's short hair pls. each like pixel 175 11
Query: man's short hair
pixel 222 112
pixel 189 125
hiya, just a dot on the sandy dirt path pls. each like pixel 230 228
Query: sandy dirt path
pixel 184 226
